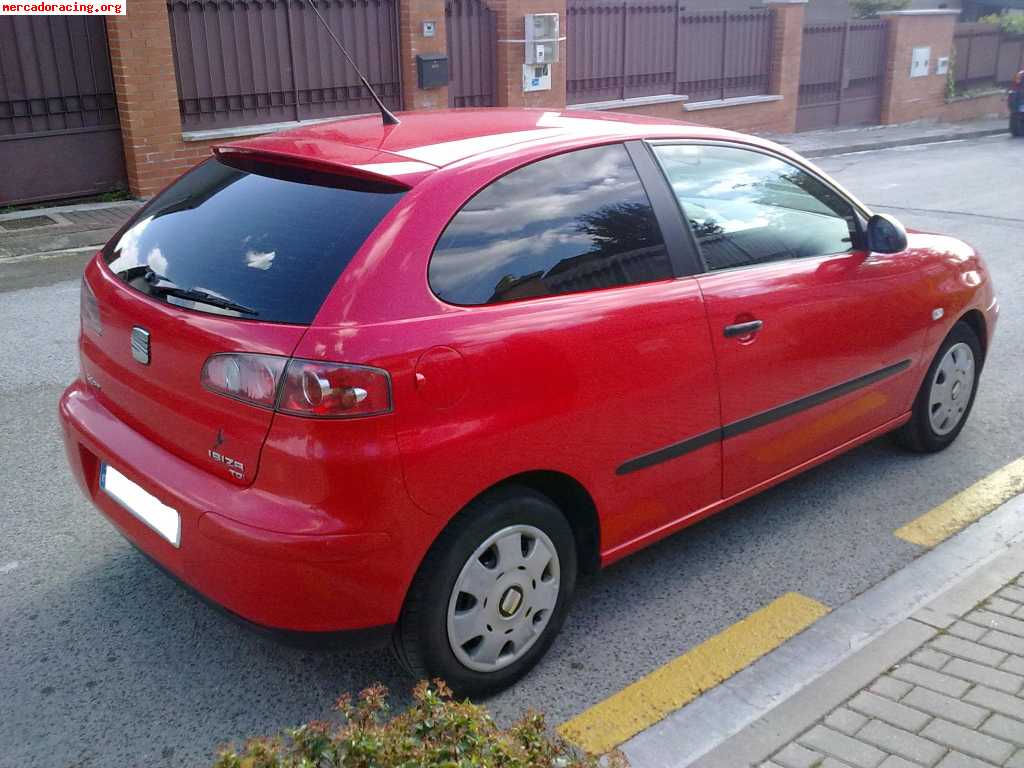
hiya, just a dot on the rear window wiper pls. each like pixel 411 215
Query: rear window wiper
pixel 161 286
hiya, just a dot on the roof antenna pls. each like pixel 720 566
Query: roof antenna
pixel 386 115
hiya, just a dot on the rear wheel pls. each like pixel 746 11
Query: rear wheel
pixel 1017 124
pixel 947 393
pixel 491 594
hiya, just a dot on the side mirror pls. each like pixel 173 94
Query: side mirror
pixel 886 234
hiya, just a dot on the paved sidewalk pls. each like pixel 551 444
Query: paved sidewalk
pixel 844 140
pixel 957 701
pixel 47 231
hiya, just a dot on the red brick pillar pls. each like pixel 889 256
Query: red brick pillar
pixel 787 45
pixel 147 97
pixel 512 54
pixel 907 98
pixel 412 41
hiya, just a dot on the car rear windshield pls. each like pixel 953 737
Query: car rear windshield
pixel 261 241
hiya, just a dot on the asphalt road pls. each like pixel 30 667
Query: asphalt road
pixel 104 661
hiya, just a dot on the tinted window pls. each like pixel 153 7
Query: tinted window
pixel 573 222
pixel 749 208
pixel 264 245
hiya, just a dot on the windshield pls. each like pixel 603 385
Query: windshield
pixel 265 243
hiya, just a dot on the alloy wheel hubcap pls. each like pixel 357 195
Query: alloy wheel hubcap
pixel 951 389
pixel 503 598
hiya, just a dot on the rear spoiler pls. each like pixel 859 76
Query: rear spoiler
pixel 396 171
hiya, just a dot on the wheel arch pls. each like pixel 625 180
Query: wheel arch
pixel 975 320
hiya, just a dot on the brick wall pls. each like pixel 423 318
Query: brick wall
pixel 412 14
pixel 907 98
pixel 147 99
pixel 511 54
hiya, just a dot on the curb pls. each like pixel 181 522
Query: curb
pixel 749 716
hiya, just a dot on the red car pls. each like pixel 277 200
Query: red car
pixel 419 377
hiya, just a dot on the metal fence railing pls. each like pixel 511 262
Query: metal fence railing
pixel 253 61
pixel 985 56
pixel 620 49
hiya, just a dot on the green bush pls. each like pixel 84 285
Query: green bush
pixel 868 9
pixel 1011 24
pixel 434 732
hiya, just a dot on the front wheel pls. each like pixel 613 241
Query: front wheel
pixel 491 594
pixel 947 393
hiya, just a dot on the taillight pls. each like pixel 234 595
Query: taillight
pixel 299 387
pixel 251 378
pixel 89 309
pixel 334 390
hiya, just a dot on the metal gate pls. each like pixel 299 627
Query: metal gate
pixel 842 75
pixel 248 62
pixel 472 50
pixel 59 133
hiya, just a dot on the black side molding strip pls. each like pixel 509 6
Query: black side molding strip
pixel 676 450
pixel 673 451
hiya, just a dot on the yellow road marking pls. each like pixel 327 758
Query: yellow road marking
pixel 969 505
pixel 611 722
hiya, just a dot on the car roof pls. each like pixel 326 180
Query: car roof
pixel 427 140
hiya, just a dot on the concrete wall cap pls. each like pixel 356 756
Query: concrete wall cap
pixel 923 12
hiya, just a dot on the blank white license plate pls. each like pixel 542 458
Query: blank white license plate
pixel 144 505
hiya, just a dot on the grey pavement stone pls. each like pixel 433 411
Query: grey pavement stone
pixel 843 747
pixel 897 741
pixel 960 760
pixel 965 649
pixel 1017 761
pixel 795 756
pixel 993 620
pixel 979 673
pixel 928 657
pixel 890 687
pixel 928 678
pixel 1005 728
pixel 1014 664
pixel 895 714
pixel 846 720
pixel 1004 642
pixel 968 741
pixel 997 701
pixel 946 707
pixel 1012 593
pixel 965 630
pixel 1002 605
pixel 894 761
pixel 831 762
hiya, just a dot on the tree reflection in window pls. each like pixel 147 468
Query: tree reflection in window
pixel 575 222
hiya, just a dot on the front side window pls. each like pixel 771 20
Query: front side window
pixel 573 222
pixel 745 207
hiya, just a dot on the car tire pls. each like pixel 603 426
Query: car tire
pixel 942 405
pixel 1017 125
pixel 521 594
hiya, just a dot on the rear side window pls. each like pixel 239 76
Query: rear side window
pixel 265 243
pixel 573 222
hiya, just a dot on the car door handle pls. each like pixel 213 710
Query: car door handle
pixel 743 329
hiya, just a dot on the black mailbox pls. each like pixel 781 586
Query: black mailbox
pixel 431 70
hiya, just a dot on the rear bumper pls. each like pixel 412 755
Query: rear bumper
pixel 297 581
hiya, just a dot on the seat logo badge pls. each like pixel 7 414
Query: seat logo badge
pixel 140 345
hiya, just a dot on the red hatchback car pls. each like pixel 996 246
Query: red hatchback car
pixel 418 377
